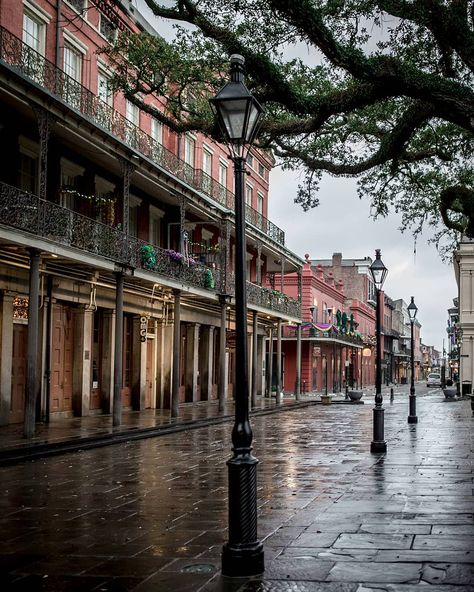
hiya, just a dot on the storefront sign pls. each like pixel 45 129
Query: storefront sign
pixel 366 352
pixel 143 328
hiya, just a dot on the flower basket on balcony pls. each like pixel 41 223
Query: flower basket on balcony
pixel 148 256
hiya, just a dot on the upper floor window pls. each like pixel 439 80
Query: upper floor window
pixel 260 200
pixel 104 88
pixel 223 174
pixel 371 294
pixel 132 112
pixel 72 62
pixel 189 149
pixel 261 170
pixel 157 130
pixel 250 160
pixel 78 5
pixel 248 194
pixel 33 32
pixel 108 29
pixel 207 161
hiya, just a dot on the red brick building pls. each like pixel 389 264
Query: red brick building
pixel 116 234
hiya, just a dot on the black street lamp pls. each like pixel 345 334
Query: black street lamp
pixel 379 273
pixel 239 115
pixel 412 310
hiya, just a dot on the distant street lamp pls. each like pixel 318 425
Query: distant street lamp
pixel 239 115
pixel 412 310
pixel 379 273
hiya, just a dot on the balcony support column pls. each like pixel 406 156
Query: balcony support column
pixel 260 375
pixel 139 363
pixel 282 275
pixel 127 171
pixel 300 285
pixel 298 362
pixel 270 363
pixel 279 364
pixel 182 222
pixel 45 121
pixel 222 387
pixel 259 263
pixel 31 386
pixel 224 256
pixel 254 357
pixel 118 350
pixel 176 354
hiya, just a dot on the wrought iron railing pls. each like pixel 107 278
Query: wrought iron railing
pixel 28 213
pixel 333 333
pixel 30 63
pixel 277 302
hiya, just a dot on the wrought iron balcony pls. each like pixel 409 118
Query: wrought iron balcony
pixel 22 58
pixel 275 301
pixel 28 213
pixel 311 332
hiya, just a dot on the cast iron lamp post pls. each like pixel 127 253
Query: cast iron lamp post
pixel 239 114
pixel 379 273
pixel 412 310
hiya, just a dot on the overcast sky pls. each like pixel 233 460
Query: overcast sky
pixel 342 223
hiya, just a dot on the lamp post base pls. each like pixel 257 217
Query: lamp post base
pixel 412 419
pixel 242 560
pixel 378 443
pixel 378 446
pixel 243 554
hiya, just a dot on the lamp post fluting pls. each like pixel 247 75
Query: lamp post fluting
pixel 412 310
pixel 239 115
pixel 379 273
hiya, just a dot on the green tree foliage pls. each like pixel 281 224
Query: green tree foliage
pixel 381 91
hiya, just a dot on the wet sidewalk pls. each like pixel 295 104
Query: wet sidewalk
pixel 68 434
pixel 151 515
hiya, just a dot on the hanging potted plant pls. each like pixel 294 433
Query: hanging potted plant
pixel 148 256
pixel 209 281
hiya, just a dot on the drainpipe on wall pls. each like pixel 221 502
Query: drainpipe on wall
pixel 58 31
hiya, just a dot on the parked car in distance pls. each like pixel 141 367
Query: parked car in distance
pixel 433 379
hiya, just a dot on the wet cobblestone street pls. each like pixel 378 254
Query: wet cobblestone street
pixel 152 514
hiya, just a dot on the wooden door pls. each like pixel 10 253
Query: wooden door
pixel 62 359
pixel 17 407
pixel 149 376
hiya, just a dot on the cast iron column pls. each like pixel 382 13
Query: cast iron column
pixel 222 388
pixel 118 350
pixel 298 362
pixel 412 418
pixel 31 382
pixel 254 357
pixel 176 354
pixel 270 364
pixel 243 554
pixel 279 365
pixel 378 444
